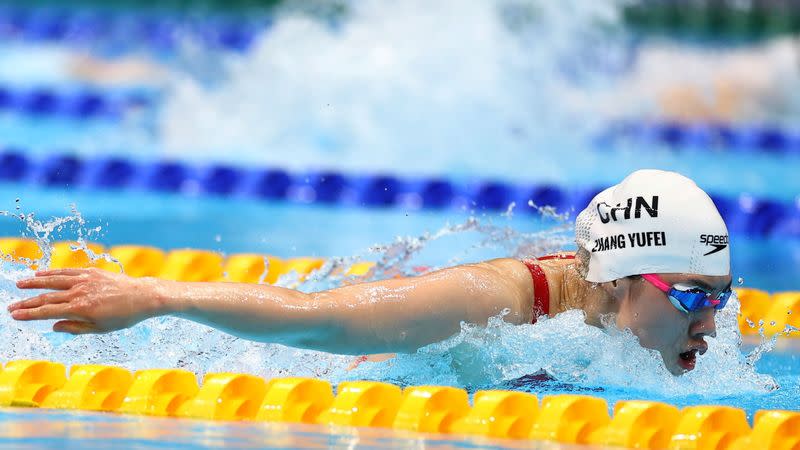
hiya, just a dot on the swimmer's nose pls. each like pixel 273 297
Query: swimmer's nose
pixel 703 324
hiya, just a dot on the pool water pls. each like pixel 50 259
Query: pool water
pixel 476 102
pixel 283 229
pixel 557 355
pixel 37 429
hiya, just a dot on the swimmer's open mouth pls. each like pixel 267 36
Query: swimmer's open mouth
pixel 688 359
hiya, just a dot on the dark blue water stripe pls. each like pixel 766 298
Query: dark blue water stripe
pixel 744 214
pixel 702 137
pixel 130 30
pixel 88 103
pixel 79 104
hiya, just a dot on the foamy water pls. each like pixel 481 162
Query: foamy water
pixel 508 89
pixel 409 87
pixel 569 351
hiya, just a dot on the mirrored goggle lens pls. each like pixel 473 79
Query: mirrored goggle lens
pixel 695 300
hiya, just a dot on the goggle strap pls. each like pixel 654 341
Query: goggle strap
pixel 656 281
pixel 698 300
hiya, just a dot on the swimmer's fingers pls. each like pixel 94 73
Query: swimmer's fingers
pixel 56 282
pixel 45 312
pixel 75 327
pixel 42 299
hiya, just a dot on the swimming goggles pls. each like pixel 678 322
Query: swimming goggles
pixel 688 299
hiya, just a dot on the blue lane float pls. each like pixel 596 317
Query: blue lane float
pixel 744 214
pixel 110 173
pixel 436 193
pixel 76 104
pixel 14 166
pixel 160 32
pixel 329 187
pixel 88 104
pixel 702 136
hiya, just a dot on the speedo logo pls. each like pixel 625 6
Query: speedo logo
pixel 608 213
pixel 718 241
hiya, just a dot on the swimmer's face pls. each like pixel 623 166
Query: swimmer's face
pixel 648 313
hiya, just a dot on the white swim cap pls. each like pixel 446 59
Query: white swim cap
pixel 652 222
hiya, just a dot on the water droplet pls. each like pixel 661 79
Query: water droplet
pixel 740 280
pixel 218 238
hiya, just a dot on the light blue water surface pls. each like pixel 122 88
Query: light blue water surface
pixel 288 230
pixel 417 135
pixel 232 225
pixel 39 429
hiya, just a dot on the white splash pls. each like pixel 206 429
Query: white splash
pixel 569 351
pixel 410 87
pixel 43 232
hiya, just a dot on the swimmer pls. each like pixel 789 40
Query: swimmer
pixel 652 254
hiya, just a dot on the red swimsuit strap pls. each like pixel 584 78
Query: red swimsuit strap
pixel 541 291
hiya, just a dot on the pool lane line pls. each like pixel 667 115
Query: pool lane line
pixel 700 137
pixel 79 103
pixel 747 214
pixel 87 103
pixel 444 410
pixel 133 30
pixel 761 313
pixel 184 264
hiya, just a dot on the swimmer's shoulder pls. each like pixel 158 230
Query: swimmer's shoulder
pixel 517 271
pixel 519 267
pixel 514 272
pixel 508 270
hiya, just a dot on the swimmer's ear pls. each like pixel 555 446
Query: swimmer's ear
pixel 615 289
pixel 609 287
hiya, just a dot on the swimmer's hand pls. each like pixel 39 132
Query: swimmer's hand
pixel 88 300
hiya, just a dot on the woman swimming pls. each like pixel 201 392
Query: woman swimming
pixel 652 254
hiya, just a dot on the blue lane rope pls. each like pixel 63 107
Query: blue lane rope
pixel 744 214
pixel 88 103
pixel 702 136
pixel 129 30
pixel 80 104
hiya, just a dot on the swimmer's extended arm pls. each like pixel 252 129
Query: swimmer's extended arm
pixel 393 315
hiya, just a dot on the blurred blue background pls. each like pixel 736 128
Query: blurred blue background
pixel 321 128
pixel 418 132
